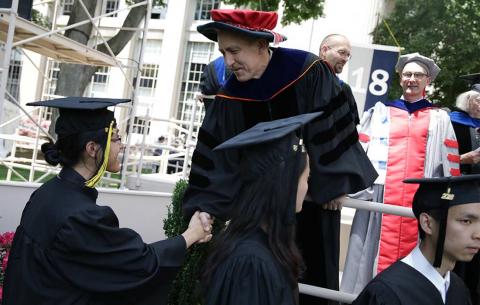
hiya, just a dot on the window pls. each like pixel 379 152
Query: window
pixel 53 68
pixel 101 75
pixel 110 6
pixel 14 73
pixel 50 85
pixel 148 79
pixel 68 6
pixel 139 125
pixel 197 57
pixel 99 83
pixel 159 12
pixel 204 7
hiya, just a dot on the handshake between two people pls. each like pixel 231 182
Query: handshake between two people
pixel 199 229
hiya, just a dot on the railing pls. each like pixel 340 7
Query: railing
pixel 340 296
pixel 173 158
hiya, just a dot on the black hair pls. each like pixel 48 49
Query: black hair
pixel 265 202
pixel 68 150
pixel 435 214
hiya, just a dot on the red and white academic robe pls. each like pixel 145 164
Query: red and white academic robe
pixel 400 145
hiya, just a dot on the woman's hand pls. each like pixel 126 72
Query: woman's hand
pixel 198 232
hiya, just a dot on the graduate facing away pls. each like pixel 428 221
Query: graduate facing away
pixel 69 250
pixel 448 214
pixel 255 260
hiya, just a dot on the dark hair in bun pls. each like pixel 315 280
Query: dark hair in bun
pixel 51 153
pixel 68 149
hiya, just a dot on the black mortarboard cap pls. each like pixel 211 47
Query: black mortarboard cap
pixel 268 131
pixel 441 194
pixel 432 192
pixel 81 114
pixel 473 80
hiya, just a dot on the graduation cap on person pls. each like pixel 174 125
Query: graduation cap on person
pixel 254 24
pixel 473 80
pixel 427 63
pixel 271 144
pixel 441 194
pixel 84 114
pixel 80 114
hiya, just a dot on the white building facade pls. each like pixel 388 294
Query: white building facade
pixel 176 54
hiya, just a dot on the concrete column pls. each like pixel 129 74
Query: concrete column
pixel 172 56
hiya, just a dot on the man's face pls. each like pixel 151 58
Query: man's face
pixel 414 79
pixel 246 58
pixel 336 51
pixel 462 239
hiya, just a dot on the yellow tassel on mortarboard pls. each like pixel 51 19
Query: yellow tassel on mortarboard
pixel 94 180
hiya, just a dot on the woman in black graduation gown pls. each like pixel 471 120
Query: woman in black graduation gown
pixel 69 250
pixel 255 259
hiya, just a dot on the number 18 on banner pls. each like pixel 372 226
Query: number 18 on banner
pixel 370 73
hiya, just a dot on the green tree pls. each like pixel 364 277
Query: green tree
pixel 446 30
pixel 186 288
pixel 294 11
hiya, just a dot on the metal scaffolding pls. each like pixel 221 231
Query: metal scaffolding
pixel 18 32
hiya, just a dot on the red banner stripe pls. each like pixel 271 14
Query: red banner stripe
pixel 455 172
pixel 451 143
pixel 363 138
pixel 453 158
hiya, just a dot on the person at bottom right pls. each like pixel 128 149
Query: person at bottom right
pixel 448 214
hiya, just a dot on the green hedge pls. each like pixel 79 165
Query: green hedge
pixel 186 288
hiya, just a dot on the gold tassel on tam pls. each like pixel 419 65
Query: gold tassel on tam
pixel 94 180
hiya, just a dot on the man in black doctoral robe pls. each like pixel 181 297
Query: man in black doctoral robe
pixel 318 226
pixel 448 214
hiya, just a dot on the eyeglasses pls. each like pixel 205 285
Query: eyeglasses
pixel 416 75
pixel 343 53
pixel 116 138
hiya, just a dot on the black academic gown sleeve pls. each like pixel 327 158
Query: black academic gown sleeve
pixel 377 293
pixel 87 258
pixel 338 164
pixel 248 280
pixel 96 256
pixel 209 83
pixel 214 178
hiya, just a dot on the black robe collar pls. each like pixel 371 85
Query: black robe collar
pixel 410 107
pixel 74 179
pixel 285 67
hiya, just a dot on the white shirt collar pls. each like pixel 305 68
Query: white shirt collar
pixel 417 261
